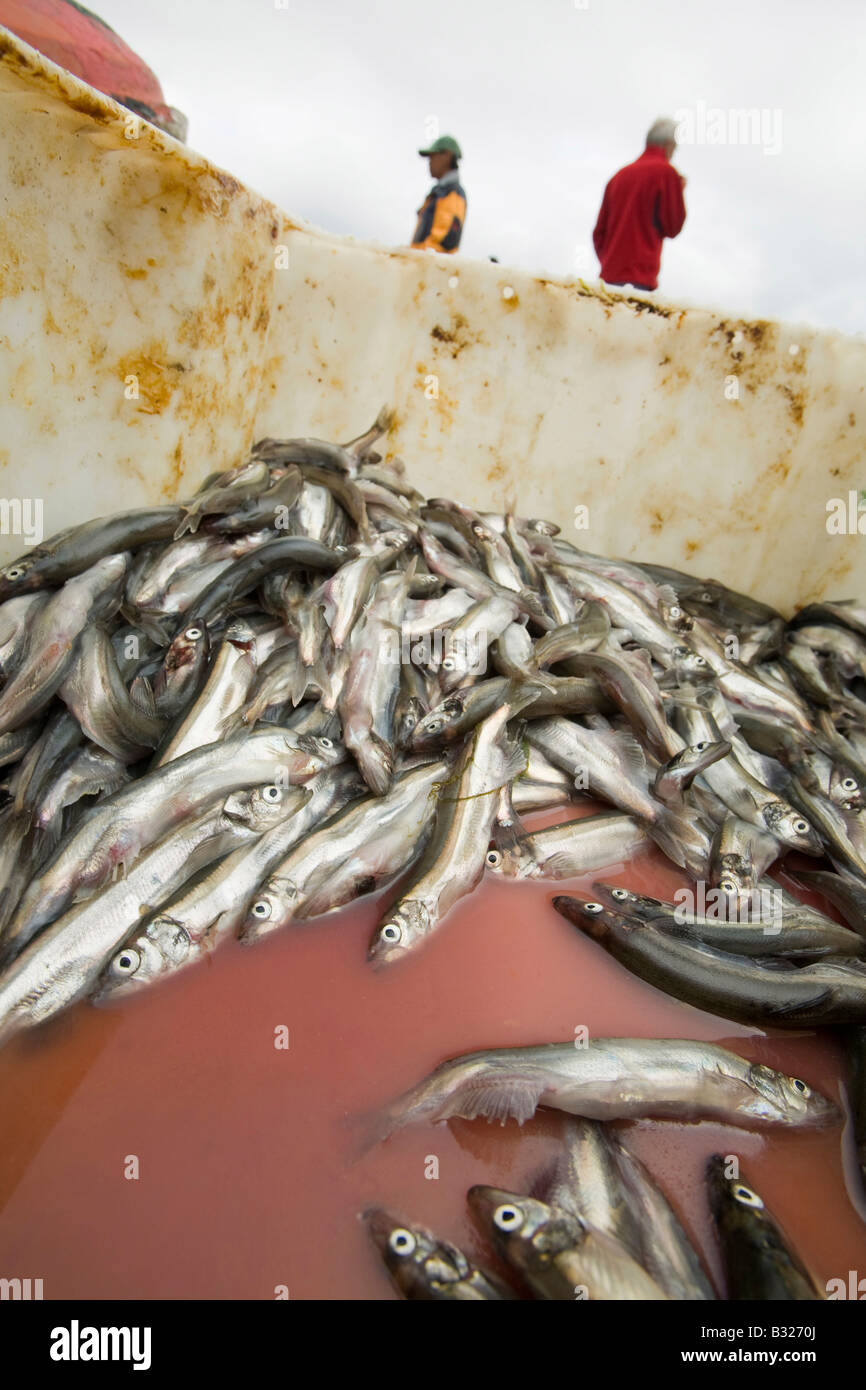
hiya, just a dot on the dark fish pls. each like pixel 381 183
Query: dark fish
pixel 759 1262
pixel 426 1268
pixel 739 987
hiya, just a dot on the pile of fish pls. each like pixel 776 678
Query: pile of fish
pixel 224 716
pixel 598 1227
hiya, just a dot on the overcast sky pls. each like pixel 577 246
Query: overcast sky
pixel 321 106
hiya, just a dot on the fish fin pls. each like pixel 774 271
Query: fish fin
pixel 668 594
pixel 632 752
pixel 142 696
pixel 665 832
pixel 507 834
pixel 511 1098
pixel 791 1010
pixel 516 760
pixel 189 522
pixel 557 866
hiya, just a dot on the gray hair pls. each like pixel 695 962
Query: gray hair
pixel 662 132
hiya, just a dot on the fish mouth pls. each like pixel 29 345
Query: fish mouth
pixel 380 956
pixel 380 1224
pixel 484 1201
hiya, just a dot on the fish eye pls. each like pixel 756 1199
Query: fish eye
pixel 14 572
pixel 391 933
pixel 326 743
pixel 435 723
pixel 448 663
pixel 508 1217
pixel 261 909
pixel 849 784
pixel 728 885
pixel 800 1086
pixel 272 794
pixel 748 1198
pixel 593 907
pixel 494 858
pixel 402 1242
pixel 706 596
pixel 620 894
pixel 700 661
pixel 193 633
pixel 675 611
pixel 127 961
pixel 801 826
pixel 702 745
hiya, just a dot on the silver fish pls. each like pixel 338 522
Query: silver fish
pixel 610 1079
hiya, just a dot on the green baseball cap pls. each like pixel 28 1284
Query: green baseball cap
pixel 446 144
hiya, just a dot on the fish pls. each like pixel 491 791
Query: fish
pixel 347 681
pixel 844 892
pixel 741 854
pixel 666 1252
pixel 124 724
pixel 677 774
pixel 559 1256
pixel 63 963
pixel 82 601
pixel 213 905
pixel 743 988
pixel 747 926
pixel 855 1066
pixel 571 848
pixel 360 846
pixel 178 682
pixel 239 578
pixel 587 1183
pixel 608 1079
pixel 227 490
pixel 424 1267
pixel 137 815
pixel 89 772
pixel 72 552
pixel 760 1262
pixel 453 863
pixel 613 765
pixel 218 711
pixel 367 702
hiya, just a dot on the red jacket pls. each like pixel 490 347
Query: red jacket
pixel 642 204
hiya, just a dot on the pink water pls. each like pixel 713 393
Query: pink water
pixel 247 1175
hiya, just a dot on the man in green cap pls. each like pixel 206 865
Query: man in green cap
pixel 440 220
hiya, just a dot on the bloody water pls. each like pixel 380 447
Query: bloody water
pixel 248 1175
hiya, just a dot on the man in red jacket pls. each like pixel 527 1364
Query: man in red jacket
pixel 642 205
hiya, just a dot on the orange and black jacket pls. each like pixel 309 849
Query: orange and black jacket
pixel 440 220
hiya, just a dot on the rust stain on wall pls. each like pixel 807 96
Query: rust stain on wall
pixel 155 379
pixel 456 336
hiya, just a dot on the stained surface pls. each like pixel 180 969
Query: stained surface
pixel 174 316
pixel 249 1177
